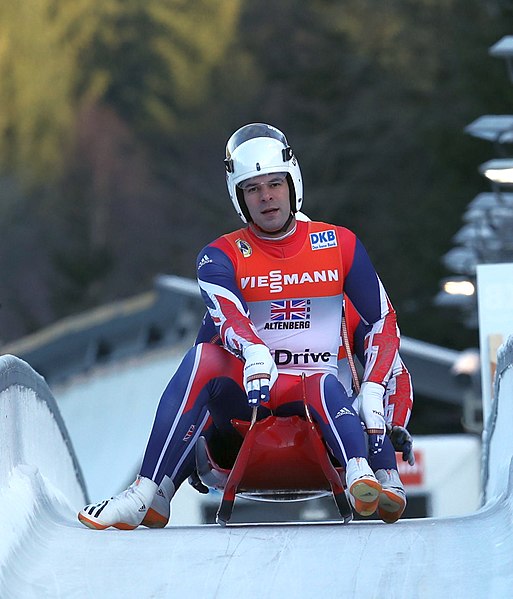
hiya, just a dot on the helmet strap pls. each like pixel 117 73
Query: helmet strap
pixel 292 194
pixel 242 205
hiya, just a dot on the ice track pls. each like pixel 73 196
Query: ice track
pixel 45 552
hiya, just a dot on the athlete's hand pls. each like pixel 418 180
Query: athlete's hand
pixel 403 442
pixel 260 373
pixel 370 402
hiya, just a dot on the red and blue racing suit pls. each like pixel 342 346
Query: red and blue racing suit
pixel 287 294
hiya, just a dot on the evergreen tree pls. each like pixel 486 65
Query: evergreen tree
pixel 114 115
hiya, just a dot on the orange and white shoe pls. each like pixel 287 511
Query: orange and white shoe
pixel 124 511
pixel 160 509
pixel 392 499
pixel 364 489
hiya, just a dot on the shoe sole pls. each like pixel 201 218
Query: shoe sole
pixel 154 520
pixel 390 506
pixel 96 525
pixel 91 523
pixel 365 493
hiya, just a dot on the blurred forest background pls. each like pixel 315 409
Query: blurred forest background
pixel 114 116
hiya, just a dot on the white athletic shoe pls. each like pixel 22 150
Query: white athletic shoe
pixel 160 510
pixel 363 487
pixel 125 511
pixel 392 499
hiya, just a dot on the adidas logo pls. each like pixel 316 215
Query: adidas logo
pixel 344 412
pixel 142 508
pixel 204 260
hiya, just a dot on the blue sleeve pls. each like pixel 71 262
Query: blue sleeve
pixel 215 269
pixel 381 336
pixel 207 332
pixel 224 300
pixel 363 287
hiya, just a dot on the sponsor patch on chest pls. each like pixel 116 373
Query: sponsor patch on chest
pixel 245 249
pixel 323 239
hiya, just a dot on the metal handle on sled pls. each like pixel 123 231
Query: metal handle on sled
pixel 253 417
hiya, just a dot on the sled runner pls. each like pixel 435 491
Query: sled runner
pixel 280 459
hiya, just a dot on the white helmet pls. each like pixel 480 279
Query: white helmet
pixel 260 149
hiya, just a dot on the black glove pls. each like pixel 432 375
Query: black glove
pixel 403 442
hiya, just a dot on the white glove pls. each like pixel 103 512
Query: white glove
pixel 260 373
pixel 370 402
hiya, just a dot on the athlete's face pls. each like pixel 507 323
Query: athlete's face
pixel 267 199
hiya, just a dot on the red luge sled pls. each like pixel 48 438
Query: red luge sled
pixel 281 459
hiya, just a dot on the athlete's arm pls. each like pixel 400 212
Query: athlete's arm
pixel 224 301
pixel 398 397
pixel 229 312
pixel 207 332
pixel 365 290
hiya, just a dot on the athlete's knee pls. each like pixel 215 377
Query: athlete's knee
pixel 333 386
pixel 218 360
pixel 326 388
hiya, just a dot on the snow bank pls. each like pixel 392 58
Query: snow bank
pixel 40 479
pixel 497 437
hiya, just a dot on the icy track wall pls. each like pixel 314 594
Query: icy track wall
pixel 497 437
pixel 40 478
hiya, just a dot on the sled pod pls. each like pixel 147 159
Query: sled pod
pixel 281 459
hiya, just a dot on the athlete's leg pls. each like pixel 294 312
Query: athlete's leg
pixel 226 400
pixel 181 415
pixel 343 433
pixel 183 411
pixel 392 499
pixel 385 459
pixel 339 423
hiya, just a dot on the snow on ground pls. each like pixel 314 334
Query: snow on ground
pixel 45 552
